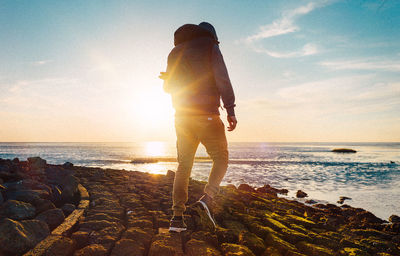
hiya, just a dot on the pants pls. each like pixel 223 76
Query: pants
pixel 190 131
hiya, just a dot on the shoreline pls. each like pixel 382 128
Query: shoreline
pixel 129 211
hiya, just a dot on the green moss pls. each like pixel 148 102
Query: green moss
pixel 235 226
pixel 300 220
pixel 274 224
pixel 253 242
pixel 312 249
pixel 260 230
pixel 278 243
pixel 347 251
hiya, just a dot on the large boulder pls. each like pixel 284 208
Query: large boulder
pixel 36 163
pixel 69 188
pixel 18 237
pixel 28 196
pixel 53 217
pixel 17 210
pixel 63 246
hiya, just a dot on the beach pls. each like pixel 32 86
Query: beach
pixel 127 213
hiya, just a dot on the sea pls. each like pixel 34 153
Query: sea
pixel 370 177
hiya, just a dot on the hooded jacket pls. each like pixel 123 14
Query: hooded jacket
pixel 197 75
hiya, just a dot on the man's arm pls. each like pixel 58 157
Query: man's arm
pixel 224 85
pixel 222 81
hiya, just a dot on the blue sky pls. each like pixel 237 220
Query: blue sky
pixel 301 70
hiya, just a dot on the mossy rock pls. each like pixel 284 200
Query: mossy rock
pixel 226 235
pixel 300 221
pixel 253 242
pixel 235 250
pixel 278 243
pixel 260 230
pixel 347 251
pixel 274 224
pixel 235 226
pixel 312 249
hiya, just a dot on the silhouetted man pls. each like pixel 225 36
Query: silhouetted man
pixel 197 79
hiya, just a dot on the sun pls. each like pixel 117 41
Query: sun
pixel 153 106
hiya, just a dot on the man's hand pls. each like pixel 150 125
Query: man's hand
pixel 163 75
pixel 232 123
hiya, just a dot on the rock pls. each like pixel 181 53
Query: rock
pixel 92 250
pixel 68 165
pixel 1 198
pixel 53 217
pixel 128 247
pixel 15 160
pixel 344 150
pixel 168 244
pixel 98 224
pixel 139 235
pixel 42 205
pixel 63 246
pixel 246 187
pixel 36 162
pixel 18 237
pixel 270 190
pixel 70 188
pixel 342 198
pixel 17 210
pixel 301 194
pixel 311 201
pixel 108 235
pixel 235 250
pixel 68 209
pixel 196 247
pixel 28 196
pixel 253 242
pixel 170 175
pixel 80 238
pixel 394 219
pixel 208 237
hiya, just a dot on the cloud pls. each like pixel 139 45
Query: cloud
pixel 341 96
pixel 40 62
pixel 285 25
pixel 308 49
pixel 386 65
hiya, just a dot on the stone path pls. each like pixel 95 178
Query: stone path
pixel 129 215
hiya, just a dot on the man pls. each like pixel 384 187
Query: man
pixel 197 78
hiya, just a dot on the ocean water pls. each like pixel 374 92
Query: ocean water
pixel 371 177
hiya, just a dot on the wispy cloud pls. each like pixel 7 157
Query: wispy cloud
pixel 386 65
pixel 40 62
pixel 341 96
pixel 308 49
pixel 285 25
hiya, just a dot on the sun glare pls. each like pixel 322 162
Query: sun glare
pixel 154 107
pixel 155 148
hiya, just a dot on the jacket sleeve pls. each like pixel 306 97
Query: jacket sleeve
pixel 167 83
pixel 222 80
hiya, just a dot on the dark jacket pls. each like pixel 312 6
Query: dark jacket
pixel 198 78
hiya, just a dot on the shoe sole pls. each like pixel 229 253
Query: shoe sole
pixel 205 207
pixel 176 230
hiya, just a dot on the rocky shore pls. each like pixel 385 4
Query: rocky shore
pixel 129 214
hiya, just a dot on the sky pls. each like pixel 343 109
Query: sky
pixel 302 71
